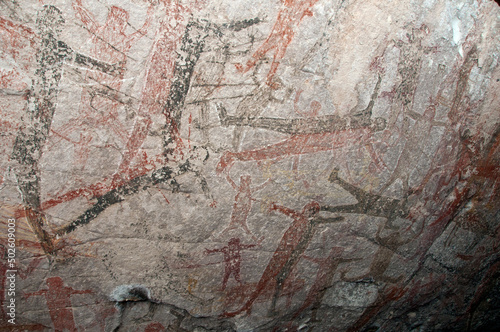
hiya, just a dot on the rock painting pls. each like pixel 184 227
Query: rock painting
pixel 192 153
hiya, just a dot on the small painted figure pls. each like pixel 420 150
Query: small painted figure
pixel 242 203
pixel 289 16
pixel 232 259
pixel 58 299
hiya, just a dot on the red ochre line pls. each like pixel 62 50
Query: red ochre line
pixel 98 189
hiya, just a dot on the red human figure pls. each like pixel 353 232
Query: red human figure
pixel 109 40
pixel 99 109
pixel 414 148
pixel 18 43
pixel 412 54
pixel 457 155
pixel 242 203
pixel 232 259
pixel 301 144
pixel 158 81
pixel 327 267
pixel 308 135
pixel 314 107
pixel 451 143
pixel 292 245
pixel 289 16
pixel 15 38
pixel 58 298
pixel 19 273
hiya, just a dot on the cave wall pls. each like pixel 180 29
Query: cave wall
pixel 288 165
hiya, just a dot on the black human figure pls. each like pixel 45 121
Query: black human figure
pixel 368 203
pixel 51 56
pixel 310 125
pixel 377 206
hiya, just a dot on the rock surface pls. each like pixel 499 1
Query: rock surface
pixel 227 165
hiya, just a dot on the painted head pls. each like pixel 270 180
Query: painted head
pixel 429 113
pixel 55 282
pixel 118 18
pixel 315 108
pixel 234 243
pixel 311 209
pixel 50 21
pixel 378 124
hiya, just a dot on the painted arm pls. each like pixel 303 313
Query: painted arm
pixel 377 161
pixel 85 16
pixel 321 220
pixel 40 292
pixel 247 246
pixel 116 70
pixel 286 211
pixel 211 251
pixel 17 31
pixel 231 182
pixel 31 266
pixel 296 101
pixel 260 186
pixel 318 261
pixel 144 29
pixel 76 291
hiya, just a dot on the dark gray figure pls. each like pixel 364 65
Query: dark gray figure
pixel 28 146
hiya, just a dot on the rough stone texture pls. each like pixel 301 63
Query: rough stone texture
pixel 244 165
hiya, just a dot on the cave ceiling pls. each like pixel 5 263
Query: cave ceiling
pixel 237 165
